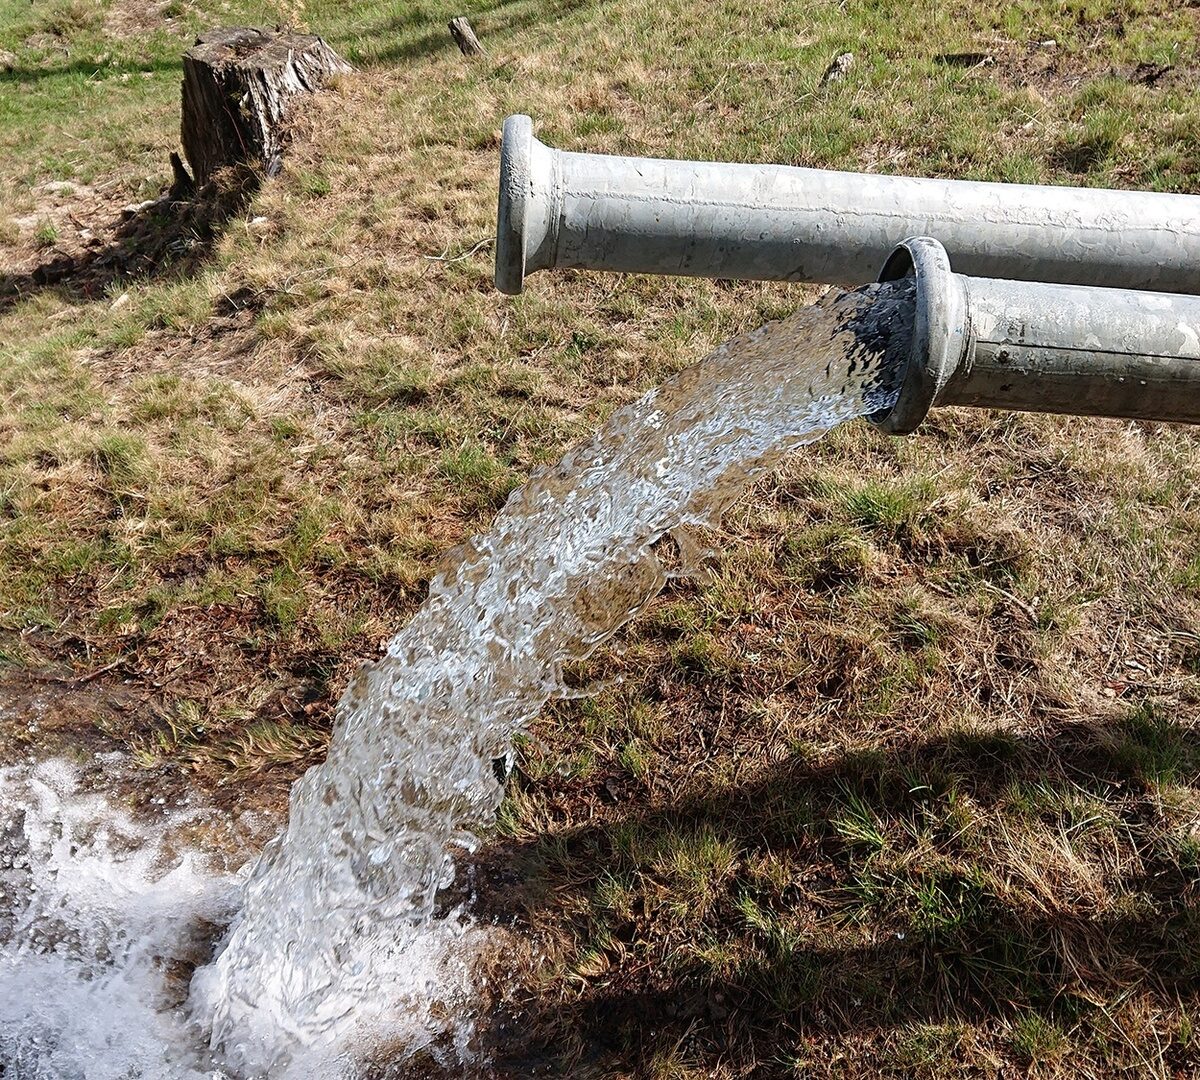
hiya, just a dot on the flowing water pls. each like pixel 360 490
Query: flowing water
pixel 100 919
pixel 339 938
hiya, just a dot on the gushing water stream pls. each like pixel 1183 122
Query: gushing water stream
pixel 336 937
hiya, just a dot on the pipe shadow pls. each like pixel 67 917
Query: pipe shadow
pixel 979 955
pixel 173 234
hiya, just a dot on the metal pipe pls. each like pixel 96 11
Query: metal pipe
pixel 778 223
pixel 1039 347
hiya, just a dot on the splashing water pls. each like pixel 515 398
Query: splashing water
pixel 99 921
pixel 339 946
pixel 337 929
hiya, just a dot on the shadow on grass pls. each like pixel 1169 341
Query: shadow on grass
pixel 166 235
pixel 89 69
pixel 419 38
pixel 942 944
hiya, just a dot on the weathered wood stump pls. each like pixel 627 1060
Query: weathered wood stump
pixel 464 37
pixel 238 85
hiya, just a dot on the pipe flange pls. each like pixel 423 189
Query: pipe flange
pixel 527 216
pixel 516 161
pixel 940 331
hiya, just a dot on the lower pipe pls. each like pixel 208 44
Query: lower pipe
pixel 1038 347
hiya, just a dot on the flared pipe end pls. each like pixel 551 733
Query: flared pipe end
pixel 516 152
pixel 940 331
pixel 525 215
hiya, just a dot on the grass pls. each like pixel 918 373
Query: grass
pixel 904 784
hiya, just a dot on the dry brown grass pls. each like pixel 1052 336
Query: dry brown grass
pixel 928 763
pixel 907 787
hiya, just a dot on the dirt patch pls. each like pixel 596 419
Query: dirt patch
pixel 211 654
pixel 1043 68
pixel 143 708
pixel 63 215
pixel 222 348
pixel 81 240
pixel 56 709
pixel 1047 70
pixel 204 692
pixel 126 18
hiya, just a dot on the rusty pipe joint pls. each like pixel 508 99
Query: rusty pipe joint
pixel 1038 347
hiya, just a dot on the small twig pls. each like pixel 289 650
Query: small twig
pixel 286 286
pixel 81 680
pixel 444 257
pixel 1117 639
pixel 1013 599
pixel 715 87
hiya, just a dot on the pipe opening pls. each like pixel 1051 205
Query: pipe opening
pixel 516 164
pixel 882 327
pixel 939 330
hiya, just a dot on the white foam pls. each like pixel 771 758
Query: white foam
pixel 95 910
pixel 102 916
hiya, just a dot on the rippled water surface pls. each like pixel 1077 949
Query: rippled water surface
pixel 339 942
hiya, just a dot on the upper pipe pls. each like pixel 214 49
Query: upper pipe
pixel 780 223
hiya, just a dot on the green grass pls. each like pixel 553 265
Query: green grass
pixel 903 785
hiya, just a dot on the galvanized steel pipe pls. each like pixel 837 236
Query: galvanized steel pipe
pixel 1039 347
pixel 778 223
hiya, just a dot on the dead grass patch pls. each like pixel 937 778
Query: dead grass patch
pixel 124 18
pixel 82 245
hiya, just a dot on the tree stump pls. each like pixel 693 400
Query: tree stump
pixel 464 37
pixel 238 85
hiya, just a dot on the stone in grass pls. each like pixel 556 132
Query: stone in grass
pixel 838 69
